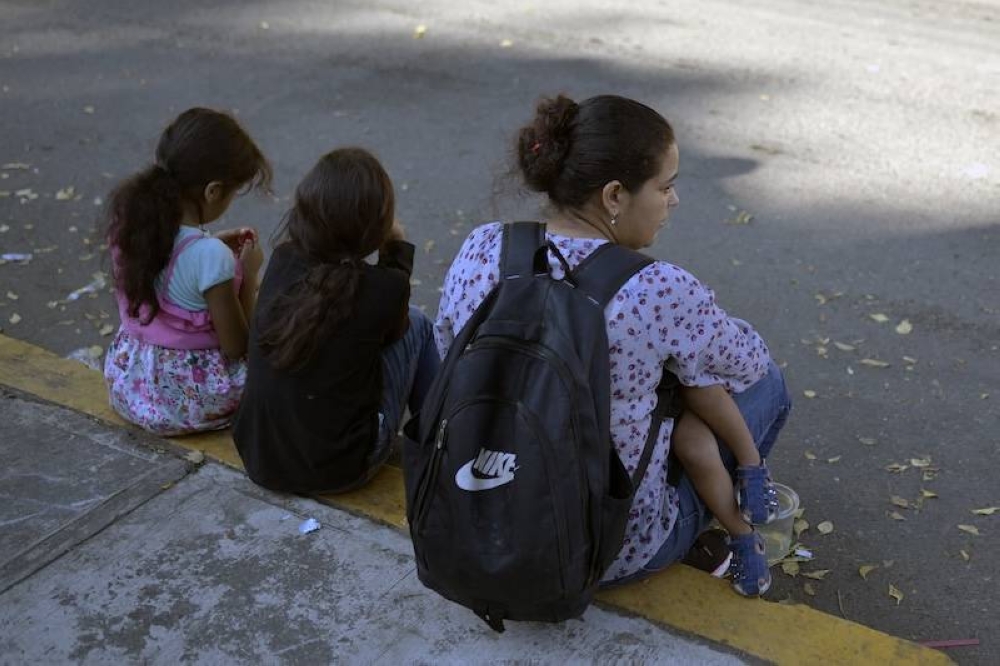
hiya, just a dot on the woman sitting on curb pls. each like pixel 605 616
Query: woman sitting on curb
pixel 608 167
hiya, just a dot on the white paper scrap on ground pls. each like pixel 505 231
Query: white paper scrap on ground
pixel 308 525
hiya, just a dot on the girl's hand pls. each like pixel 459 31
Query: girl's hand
pixel 235 238
pixel 251 256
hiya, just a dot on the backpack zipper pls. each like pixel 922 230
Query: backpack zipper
pixel 431 476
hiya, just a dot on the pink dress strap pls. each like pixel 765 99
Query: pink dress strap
pixel 174 326
pixel 187 242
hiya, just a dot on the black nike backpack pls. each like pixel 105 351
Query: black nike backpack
pixel 516 498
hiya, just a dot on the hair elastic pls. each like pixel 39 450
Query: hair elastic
pixel 535 147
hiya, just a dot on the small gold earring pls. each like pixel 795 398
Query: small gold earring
pixel 614 220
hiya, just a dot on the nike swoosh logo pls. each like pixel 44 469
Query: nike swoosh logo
pixel 465 480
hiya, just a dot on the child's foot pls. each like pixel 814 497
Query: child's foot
pixel 755 494
pixel 751 577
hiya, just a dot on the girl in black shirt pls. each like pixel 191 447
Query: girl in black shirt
pixel 336 351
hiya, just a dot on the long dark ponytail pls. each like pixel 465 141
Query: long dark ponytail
pixel 144 212
pixel 343 211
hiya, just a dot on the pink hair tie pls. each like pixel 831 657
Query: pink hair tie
pixel 536 147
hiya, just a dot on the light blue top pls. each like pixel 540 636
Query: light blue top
pixel 204 264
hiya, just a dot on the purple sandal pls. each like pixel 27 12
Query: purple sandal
pixel 756 496
pixel 751 577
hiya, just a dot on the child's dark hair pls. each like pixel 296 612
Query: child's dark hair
pixel 344 209
pixel 144 212
pixel 571 150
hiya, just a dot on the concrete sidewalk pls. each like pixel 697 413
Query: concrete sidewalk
pixel 113 552
pixel 120 546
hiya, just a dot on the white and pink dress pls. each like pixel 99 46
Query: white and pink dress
pixel 170 376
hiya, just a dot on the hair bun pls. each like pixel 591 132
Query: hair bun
pixel 543 145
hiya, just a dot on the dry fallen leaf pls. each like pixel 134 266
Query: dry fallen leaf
pixel 197 457
pixel 910 359
pixel 809 455
pixel 969 529
pixel 819 574
pixel 868 441
pixel 11 295
pixel 428 246
pixel 965 555
pixel 800 526
pixel 895 593
pixel 742 217
pixel 900 502
pixel 825 527
pixel 107 329
pixel 988 511
pixel 879 317
pixel 14 318
pixel 833 459
pixel 791 568
pixel 896 515
pixel 874 363
pixel 866 569
pixel 809 394
pixel 904 327
pixel 65 194
pixel 896 468
pixel 419 32
pixel 920 462
pixel 927 494
pixel 843 346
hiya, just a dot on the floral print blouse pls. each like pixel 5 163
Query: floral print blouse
pixel 662 317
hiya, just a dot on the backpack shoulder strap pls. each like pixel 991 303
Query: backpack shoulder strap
pixel 520 249
pixel 606 269
pixel 600 276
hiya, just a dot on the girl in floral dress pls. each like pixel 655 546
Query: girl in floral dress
pixel 177 365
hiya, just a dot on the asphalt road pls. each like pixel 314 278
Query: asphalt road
pixel 861 140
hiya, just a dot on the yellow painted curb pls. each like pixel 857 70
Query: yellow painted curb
pixel 680 597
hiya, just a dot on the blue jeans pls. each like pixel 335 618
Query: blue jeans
pixel 764 407
pixel 408 368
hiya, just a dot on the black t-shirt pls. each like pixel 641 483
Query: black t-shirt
pixel 312 429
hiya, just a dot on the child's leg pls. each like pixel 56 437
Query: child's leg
pixel 427 366
pixel 408 367
pixel 714 406
pixel 698 451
